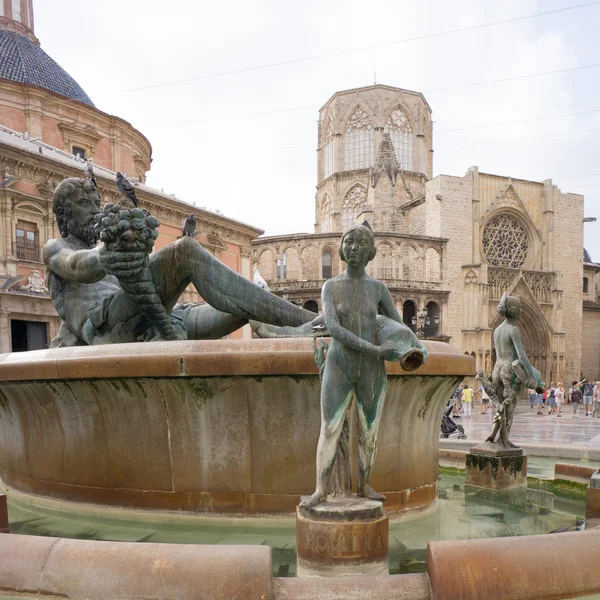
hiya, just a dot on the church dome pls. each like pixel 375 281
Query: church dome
pixel 23 61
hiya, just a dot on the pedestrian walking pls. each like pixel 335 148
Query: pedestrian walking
pixel 596 397
pixel 467 400
pixel 532 397
pixel 551 395
pixel 456 402
pixel 575 397
pixel 588 397
pixel 485 400
pixel 540 400
pixel 559 398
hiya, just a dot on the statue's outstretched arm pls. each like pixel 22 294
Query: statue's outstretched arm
pixel 337 331
pixel 82 266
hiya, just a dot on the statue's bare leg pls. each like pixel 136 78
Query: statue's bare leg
pixel 370 398
pixel 177 265
pixel 499 387
pixel 336 398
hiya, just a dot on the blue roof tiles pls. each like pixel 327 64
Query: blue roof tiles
pixel 23 61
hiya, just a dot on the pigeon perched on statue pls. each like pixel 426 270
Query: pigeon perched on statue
pixel 189 226
pixel 259 281
pixel 126 188
pixel 88 171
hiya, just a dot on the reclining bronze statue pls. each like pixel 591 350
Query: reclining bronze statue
pixel 119 292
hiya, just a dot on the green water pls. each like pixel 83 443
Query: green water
pixel 459 514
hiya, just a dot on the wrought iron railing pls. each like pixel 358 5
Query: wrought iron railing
pixel 24 251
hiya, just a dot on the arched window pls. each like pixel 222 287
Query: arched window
pixel 311 305
pixel 328 149
pixel 16 10
pixel 398 126
pixel 586 285
pixel 354 203
pixel 358 141
pixel 432 265
pixel 326 265
pixel 409 314
pixel 325 217
pixel 284 261
pixel 278 268
pixel 433 317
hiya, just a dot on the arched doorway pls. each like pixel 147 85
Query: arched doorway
pixel 409 314
pixel 311 305
pixel 432 324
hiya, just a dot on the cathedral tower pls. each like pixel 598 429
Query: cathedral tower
pixel 374 157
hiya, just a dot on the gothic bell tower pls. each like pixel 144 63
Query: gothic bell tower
pixel 374 157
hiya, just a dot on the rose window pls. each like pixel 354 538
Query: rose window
pixel 505 242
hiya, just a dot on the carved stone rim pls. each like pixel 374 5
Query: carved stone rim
pixel 201 358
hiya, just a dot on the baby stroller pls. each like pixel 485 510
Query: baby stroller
pixel 449 426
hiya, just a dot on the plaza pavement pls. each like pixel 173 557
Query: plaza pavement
pixel 530 428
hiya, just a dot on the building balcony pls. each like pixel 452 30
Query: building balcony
pixel 393 284
pixel 29 252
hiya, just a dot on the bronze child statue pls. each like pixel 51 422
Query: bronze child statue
pixel 512 372
pixel 355 362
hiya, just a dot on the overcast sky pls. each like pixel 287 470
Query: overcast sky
pixel 245 142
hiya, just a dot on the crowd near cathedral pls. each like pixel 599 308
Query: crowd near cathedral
pixel 448 246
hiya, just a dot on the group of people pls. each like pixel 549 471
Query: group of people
pixel 553 398
pixel 463 398
pixel 581 392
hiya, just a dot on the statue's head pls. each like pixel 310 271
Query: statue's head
pixel 75 204
pixel 509 307
pixel 357 243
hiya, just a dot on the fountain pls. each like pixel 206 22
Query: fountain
pixel 220 435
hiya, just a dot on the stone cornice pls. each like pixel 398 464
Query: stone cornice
pixel 336 236
pixel 42 168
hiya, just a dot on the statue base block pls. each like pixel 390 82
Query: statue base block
pixel 592 503
pixel 495 467
pixel 343 536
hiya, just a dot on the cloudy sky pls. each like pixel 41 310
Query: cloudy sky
pixel 228 92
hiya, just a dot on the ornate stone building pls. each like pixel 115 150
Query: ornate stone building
pixel 450 244
pixel 48 126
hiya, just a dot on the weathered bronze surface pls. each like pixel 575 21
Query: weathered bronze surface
pixel 354 365
pixel 118 292
pixel 512 373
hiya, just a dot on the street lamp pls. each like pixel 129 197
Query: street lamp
pixel 426 328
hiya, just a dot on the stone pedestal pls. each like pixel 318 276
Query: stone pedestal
pixel 592 503
pixel 343 536
pixel 494 467
pixel 3 514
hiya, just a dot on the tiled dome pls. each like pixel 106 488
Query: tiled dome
pixel 23 61
pixel 586 256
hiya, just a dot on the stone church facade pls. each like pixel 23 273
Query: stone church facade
pixel 451 245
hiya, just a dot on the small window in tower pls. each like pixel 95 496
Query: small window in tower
pixel 326 265
pixel 16 10
pixel 586 285
pixel 79 152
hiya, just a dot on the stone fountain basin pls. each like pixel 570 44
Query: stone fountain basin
pixel 224 427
